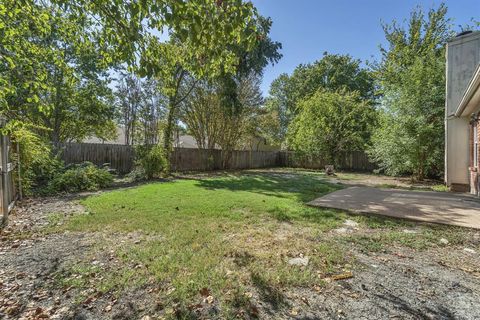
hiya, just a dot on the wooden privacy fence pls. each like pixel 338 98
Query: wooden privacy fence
pixel 121 158
pixel 353 161
pixel 8 190
pixel 184 159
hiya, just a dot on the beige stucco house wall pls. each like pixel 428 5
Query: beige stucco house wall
pixel 462 101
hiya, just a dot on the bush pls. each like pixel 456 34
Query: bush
pixel 81 177
pixel 151 163
pixel 38 165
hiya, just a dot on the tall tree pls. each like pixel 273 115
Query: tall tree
pixel 128 98
pixel 212 123
pixel 231 98
pixel 180 78
pixel 333 72
pixel 201 113
pixel 132 32
pixel 140 109
pixel 411 82
pixel 63 85
pixel 238 121
pixel 329 124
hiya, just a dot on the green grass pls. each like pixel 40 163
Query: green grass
pixel 218 233
pixel 235 198
pixel 54 219
pixel 232 234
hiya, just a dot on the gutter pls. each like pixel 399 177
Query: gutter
pixel 473 86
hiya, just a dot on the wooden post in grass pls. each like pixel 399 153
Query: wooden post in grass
pixel 20 191
pixel 4 189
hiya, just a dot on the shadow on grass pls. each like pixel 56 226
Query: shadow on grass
pixel 242 258
pixel 268 292
pixel 302 187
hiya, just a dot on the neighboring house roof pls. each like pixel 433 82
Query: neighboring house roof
pixel 471 98
pixel 188 141
pixel 120 138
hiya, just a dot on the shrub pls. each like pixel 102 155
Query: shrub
pixel 151 163
pixel 81 177
pixel 38 165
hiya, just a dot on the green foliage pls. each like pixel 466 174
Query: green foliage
pixel 411 80
pixel 330 124
pixel 36 161
pixel 19 55
pixel 180 80
pixel 58 72
pixel 56 55
pixel 151 162
pixel 42 172
pixel 332 73
pixel 81 177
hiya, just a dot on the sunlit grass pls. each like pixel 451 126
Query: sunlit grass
pixel 232 234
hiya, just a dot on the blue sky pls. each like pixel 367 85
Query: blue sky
pixel 307 28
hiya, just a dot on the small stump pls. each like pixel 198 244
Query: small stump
pixel 330 170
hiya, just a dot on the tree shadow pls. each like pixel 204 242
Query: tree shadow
pixel 241 258
pixel 440 313
pixel 302 187
pixel 268 292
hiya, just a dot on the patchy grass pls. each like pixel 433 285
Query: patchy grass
pixel 386 182
pixel 54 219
pixel 231 236
pixel 440 188
pixel 421 238
pixel 227 234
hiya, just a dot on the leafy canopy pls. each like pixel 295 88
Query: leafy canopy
pixel 331 73
pixel 411 82
pixel 330 124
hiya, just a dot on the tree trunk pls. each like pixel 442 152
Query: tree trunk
pixel 168 132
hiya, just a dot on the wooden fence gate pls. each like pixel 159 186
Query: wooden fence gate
pixel 8 191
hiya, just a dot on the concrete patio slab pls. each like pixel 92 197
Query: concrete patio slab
pixel 427 206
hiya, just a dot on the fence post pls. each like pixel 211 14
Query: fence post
pixel 250 159
pixel 19 168
pixel 4 172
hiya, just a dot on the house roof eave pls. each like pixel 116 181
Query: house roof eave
pixel 473 91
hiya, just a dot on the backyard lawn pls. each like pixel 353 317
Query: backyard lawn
pixel 233 245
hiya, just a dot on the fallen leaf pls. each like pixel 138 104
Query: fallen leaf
pixel 254 312
pixel 205 292
pixel 12 310
pixel 196 306
pixel 209 299
pixel 342 276
pixel 88 300
pixel 305 300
